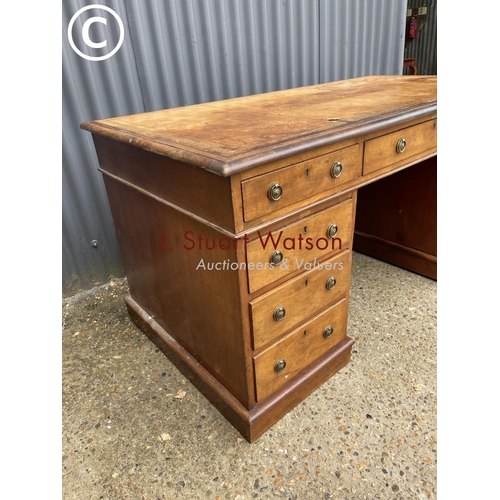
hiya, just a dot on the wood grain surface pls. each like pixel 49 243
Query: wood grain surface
pixel 300 243
pixel 234 135
pixel 302 297
pixel 299 182
pixel 299 349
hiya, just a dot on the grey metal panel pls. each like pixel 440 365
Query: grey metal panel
pixel 204 50
pixel 91 90
pixel 360 38
pixel 179 52
pixel 424 46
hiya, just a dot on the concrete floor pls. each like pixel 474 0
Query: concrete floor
pixel 135 428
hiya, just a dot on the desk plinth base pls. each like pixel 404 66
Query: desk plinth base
pixel 254 422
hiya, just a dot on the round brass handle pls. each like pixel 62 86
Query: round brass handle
pixel 328 332
pixel 401 146
pixel 280 365
pixel 279 314
pixel 330 283
pixel 276 257
pixel 274 192
pixel 336 170
pixel 332 230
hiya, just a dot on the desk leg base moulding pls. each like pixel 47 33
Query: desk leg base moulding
pixel 254 422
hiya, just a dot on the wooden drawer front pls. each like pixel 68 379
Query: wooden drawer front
pixel 301 298
pixel 381 152
pixel 299 349
pixel 299 182
pixel 300 243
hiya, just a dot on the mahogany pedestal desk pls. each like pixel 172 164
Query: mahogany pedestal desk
pixel 235 221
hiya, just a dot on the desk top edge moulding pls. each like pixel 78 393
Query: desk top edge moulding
pixel 236 225
pixel 303 118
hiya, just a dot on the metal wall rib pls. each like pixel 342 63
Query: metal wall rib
pixel 179 52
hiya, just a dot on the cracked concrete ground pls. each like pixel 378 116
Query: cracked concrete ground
pixel 135 428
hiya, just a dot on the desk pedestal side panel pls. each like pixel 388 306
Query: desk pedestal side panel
pixel 396 219
pixel 199 308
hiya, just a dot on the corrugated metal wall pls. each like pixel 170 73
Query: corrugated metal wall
pixel 424 46
pixel 178 52
pixel 360 37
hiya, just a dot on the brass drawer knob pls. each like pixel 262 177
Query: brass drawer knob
pixel 279 314
pixel 280 365
pixel 336 170
pixel 400 146
pixel 276 257
pixel 328 332
pixel 330 283
pixel 332 230
pixel 274 192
